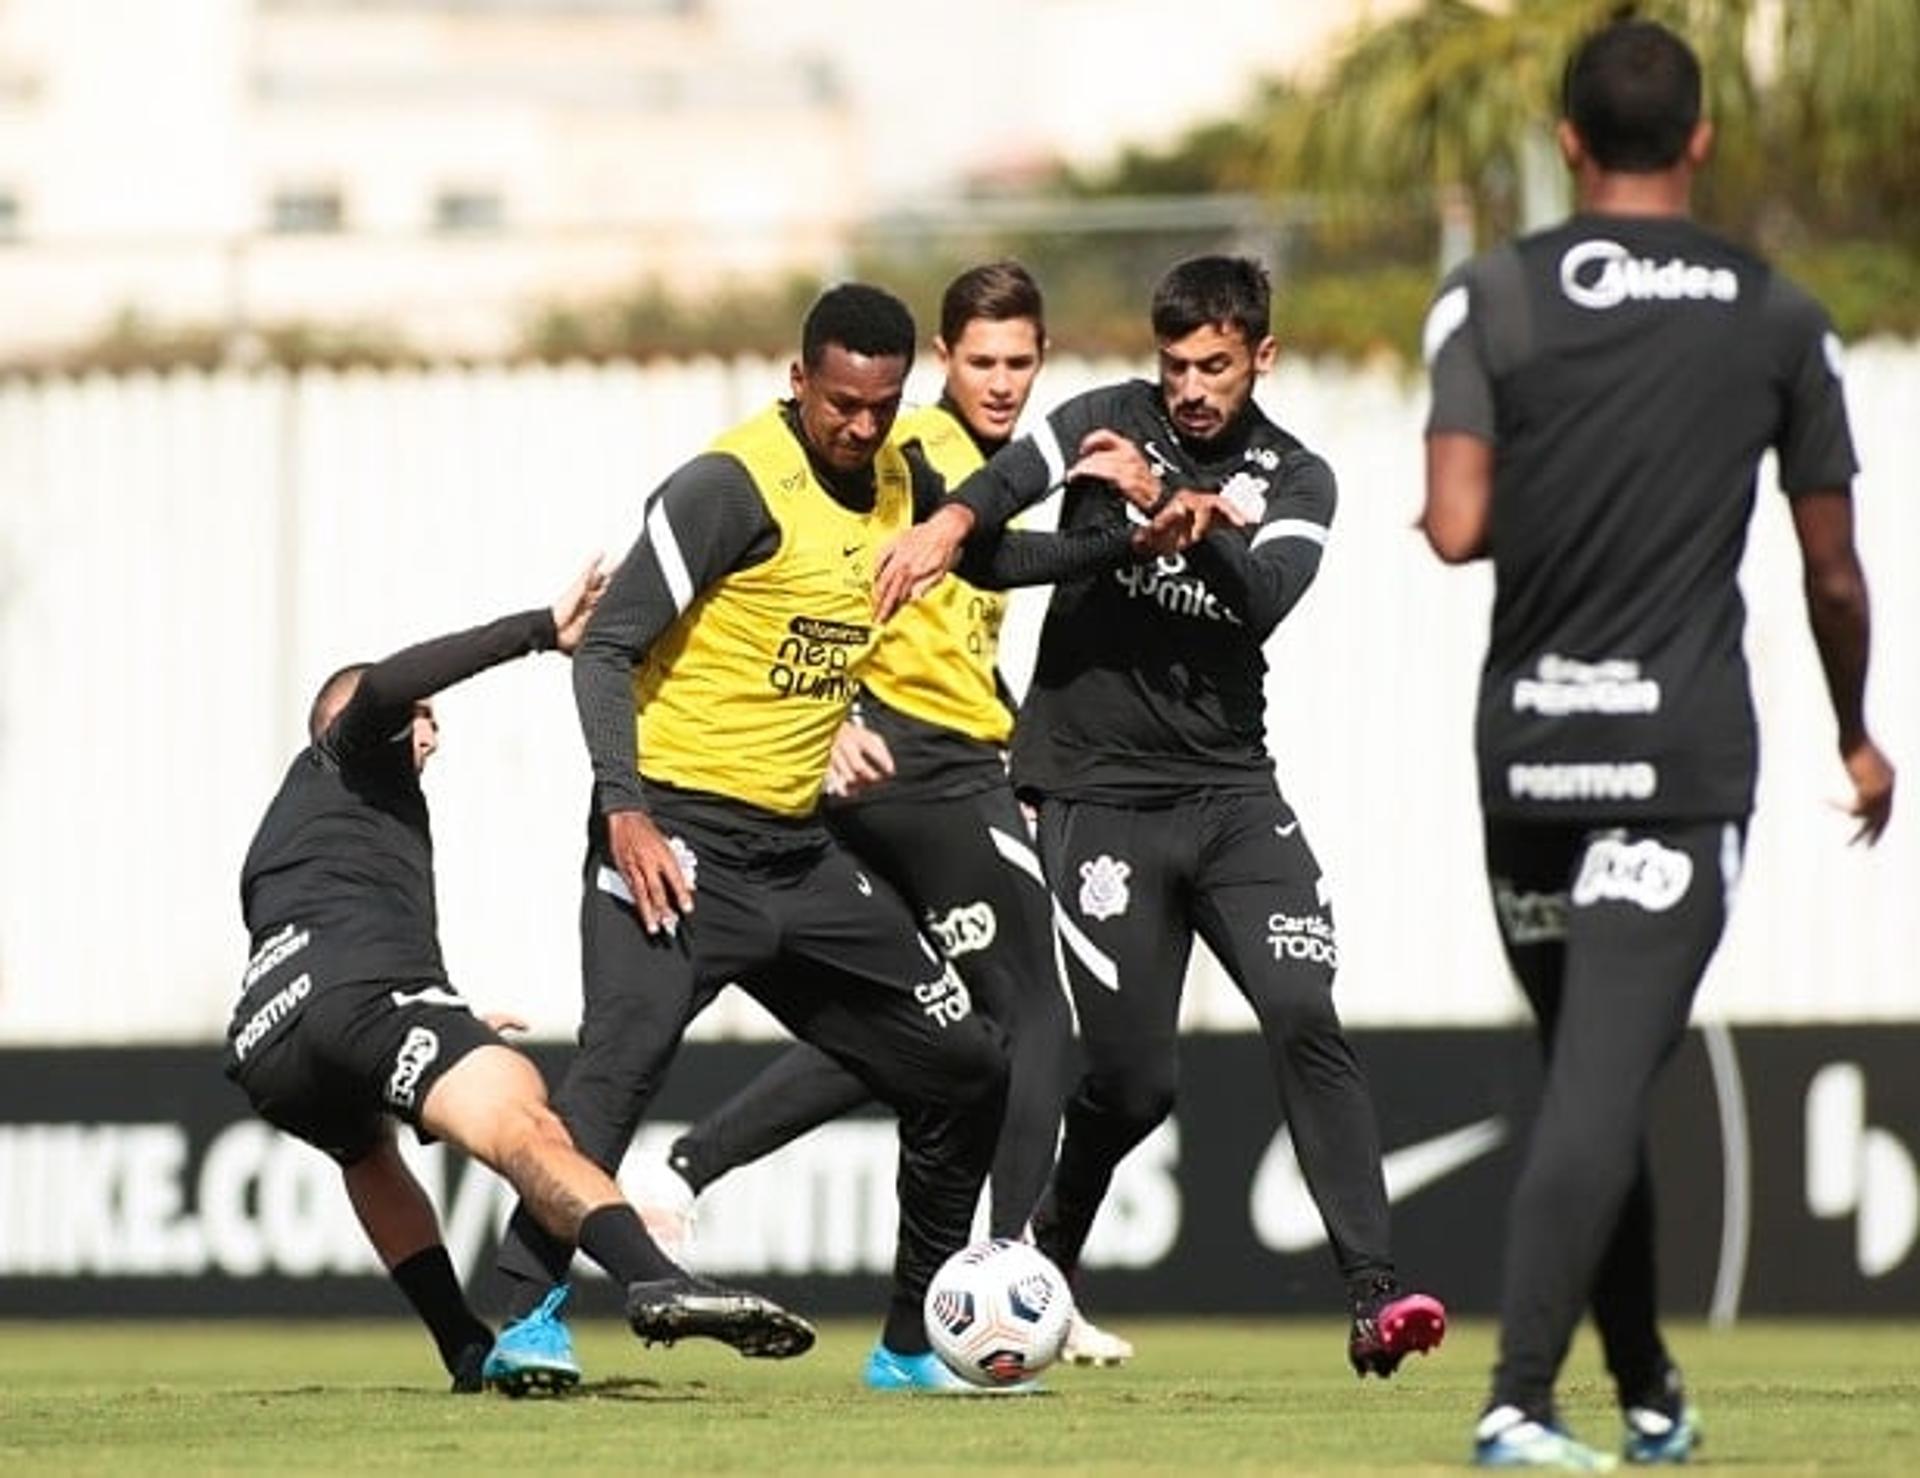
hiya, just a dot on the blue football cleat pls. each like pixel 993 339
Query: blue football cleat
pixel 926 1374
pixel 1655 1437
pixel 1508 1438
pixel 534 1354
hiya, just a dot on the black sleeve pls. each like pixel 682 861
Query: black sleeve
pixel 998 558
pixel 388 690
pixel 929 487
pixel 1477 328
pixel 702 522
pixel 1813 439
pixel 1015 557
pixel 1029 467
pixel 1260 573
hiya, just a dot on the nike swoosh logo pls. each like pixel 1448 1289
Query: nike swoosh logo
pixel 1288 830
pixel 1284 1215
pixel 847 551
pixel 432 995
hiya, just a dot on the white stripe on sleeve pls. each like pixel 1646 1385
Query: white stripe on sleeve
pixel 1291 528
pixel 1047 443
pixel 1444 320
pixel 666 549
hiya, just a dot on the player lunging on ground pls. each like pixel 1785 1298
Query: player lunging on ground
pixel 347 1021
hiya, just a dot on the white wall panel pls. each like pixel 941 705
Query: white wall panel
pixel 182 559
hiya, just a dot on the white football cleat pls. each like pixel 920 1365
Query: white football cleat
pixel 665 1203
pixel 1089 1344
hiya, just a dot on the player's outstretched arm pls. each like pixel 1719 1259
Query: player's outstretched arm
pixel 575 605
pixel 920 558
pixel 1840 615
pixel 388 690
pixel 1017 476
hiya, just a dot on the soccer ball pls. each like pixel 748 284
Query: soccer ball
pixel 997 1312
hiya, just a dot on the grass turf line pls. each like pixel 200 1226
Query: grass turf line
pixel 1208 1396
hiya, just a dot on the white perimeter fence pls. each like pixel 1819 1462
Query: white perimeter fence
pixel 182 558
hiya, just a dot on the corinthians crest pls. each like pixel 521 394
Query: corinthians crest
pixel 1103 887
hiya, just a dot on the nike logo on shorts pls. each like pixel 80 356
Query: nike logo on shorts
pixel 432 995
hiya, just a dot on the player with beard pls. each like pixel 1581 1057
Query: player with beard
pixel 729 644
pixel 918 787
pixel 1603 393
pixel 1143 743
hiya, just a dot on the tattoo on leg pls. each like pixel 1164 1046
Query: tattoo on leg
pixel 556 1207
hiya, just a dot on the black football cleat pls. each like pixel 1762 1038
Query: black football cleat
pixel 667 1310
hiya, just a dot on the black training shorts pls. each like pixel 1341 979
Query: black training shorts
pixel 329 1063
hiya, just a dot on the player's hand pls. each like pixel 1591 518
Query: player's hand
pixel 662 894
pixel 574 605
pixel 1110 457
pixel 860 759
pixel 1209 510
pixel 916 561
pixel 1872 776
pixel 504 1022
pixel 1168 532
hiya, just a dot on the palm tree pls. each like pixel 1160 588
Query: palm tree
pixel 1847 105
pixel 1443 99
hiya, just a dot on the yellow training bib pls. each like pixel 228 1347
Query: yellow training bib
pixel 935 659
pixel 741 696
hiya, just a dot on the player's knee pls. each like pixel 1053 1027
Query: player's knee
pixel 507 1134
pixel 1299 1018
pixel 1137 1100
pixel 975 1065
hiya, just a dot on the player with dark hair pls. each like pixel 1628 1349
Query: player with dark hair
pixel 738 628
pixel 1603 393
pixel 1143 742
pixel 346 1018
pixel 923 759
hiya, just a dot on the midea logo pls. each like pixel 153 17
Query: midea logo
pixel 1604 274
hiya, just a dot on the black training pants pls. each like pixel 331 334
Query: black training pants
pixel 1609 930
pixel 830 951
pixel 966 867
pixel 1131 888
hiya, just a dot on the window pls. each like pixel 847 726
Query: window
pixel 304 210
pixel 456 212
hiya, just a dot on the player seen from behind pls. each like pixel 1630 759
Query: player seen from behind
pixel 1603 393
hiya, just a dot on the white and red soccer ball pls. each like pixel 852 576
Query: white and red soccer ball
pixel 997 1312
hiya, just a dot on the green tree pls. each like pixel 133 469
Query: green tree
pixel 1845 111
pixel 1446 100
pixel 1814 103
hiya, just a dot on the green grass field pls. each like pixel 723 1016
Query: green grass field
pixel 1203 1397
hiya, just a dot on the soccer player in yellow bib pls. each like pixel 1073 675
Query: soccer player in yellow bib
pixel 918 788
pixel 730 642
